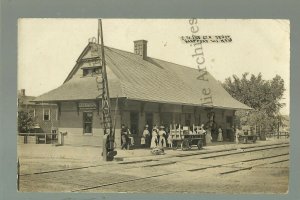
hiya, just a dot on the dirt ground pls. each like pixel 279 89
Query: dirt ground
pixel 81 169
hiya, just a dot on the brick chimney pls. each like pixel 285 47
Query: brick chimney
pixel 140 48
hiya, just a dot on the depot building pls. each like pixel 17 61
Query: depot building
pixel 143 90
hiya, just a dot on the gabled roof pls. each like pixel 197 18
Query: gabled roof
pixel 30 100
pixel 134 78
pixel 26 100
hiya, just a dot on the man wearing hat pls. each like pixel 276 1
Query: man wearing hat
pixel 162 139
pixel 124 137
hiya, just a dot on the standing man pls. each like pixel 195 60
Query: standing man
pixel 124 137
pixel 162 139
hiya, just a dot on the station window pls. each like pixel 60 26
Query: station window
pixel 199 119
pixel 149 120
pixel 90 71
pixel 229 122
pixel 46 114
pixel 177 118
pixel 229 119
pixel 134 122
pixel 87 122
pixel 188 118
pixel 166 119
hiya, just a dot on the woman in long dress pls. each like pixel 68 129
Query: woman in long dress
pixel 170 140
pixel 154 140
pixel 220 136
pixel 144 138
pixel 208 136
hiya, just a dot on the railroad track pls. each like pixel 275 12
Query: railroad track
pixel 231 149
pixel 251 163
pixel 178 158
pixel 196 170
pixel 155 165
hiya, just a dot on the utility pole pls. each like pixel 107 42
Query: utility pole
pixel 109 135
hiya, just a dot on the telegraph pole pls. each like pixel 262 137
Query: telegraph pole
pixel 109 135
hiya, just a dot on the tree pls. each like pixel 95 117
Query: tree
pixel 25 122
pixel 262 95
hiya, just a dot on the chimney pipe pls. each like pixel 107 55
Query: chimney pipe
pixel 22 92
pixel 140 48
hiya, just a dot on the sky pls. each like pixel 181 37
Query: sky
pixel 48 48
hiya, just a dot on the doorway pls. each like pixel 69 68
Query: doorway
pixel 149 121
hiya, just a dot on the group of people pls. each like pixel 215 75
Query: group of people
pixel 159 137
pixel 208 134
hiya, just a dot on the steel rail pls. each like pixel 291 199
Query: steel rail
pixel 150 160
pixel 170 173
pixel 189 170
